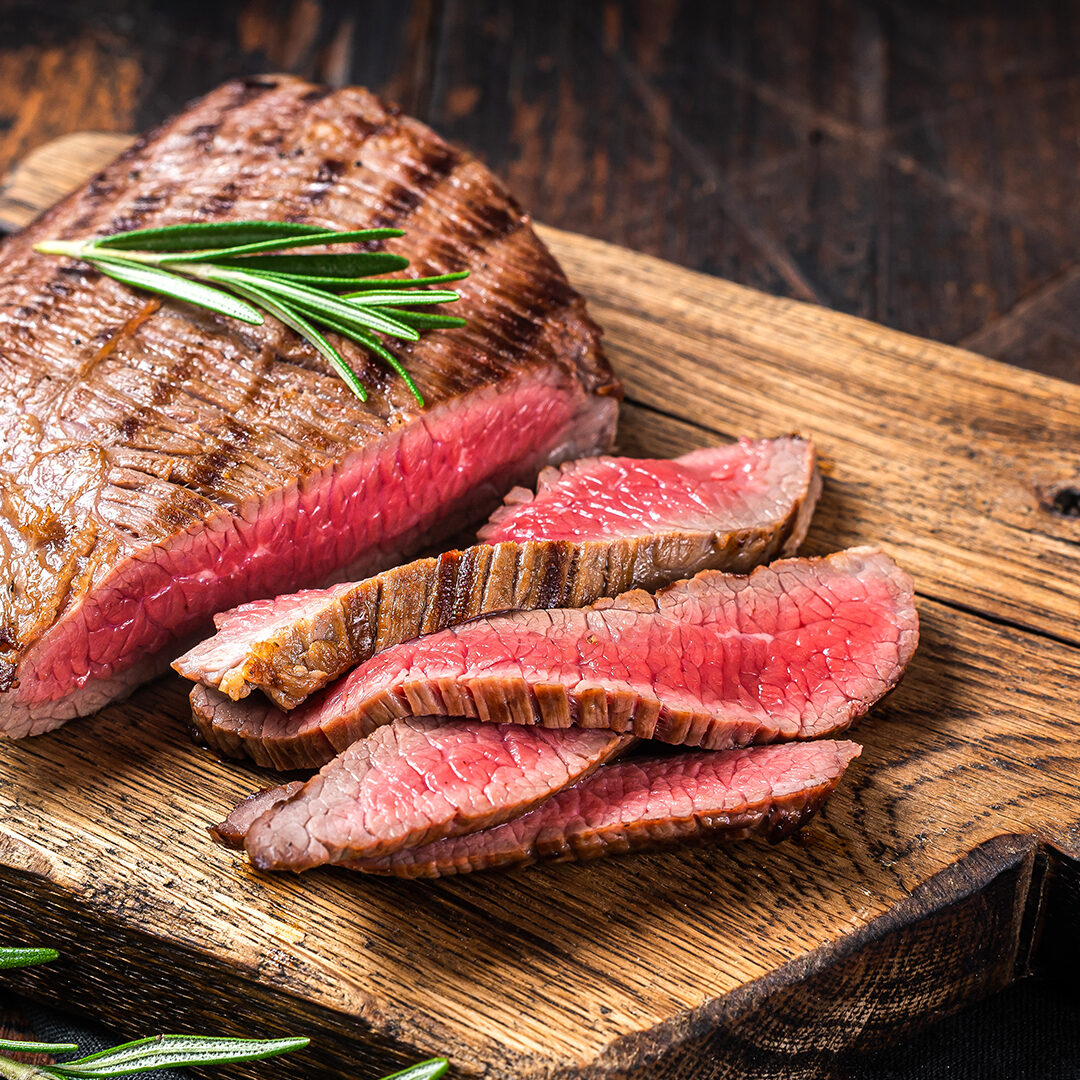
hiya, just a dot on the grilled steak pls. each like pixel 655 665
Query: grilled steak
pixel 595 528
pixel 798 649
pixel 750 499
pixel 159 463
pixel 306 738
pixel 695 797
pixel 231 832
pixel 415 781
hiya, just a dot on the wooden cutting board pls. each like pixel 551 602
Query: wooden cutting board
pixel 944 868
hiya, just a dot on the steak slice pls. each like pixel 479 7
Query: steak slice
pixel 798 649
pixel 416 781
pixel 231 832
pixel 306 738
pixel 696 797
pixel 159 463
pixel 594 528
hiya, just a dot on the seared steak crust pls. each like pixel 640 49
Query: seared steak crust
pixel 290 647
pixel 230 833
pixel 159 463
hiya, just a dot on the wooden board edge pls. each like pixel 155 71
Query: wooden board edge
pixel 569 246
pixel 64 163
pixel 966 933
pixel 52 171
pixel 981 916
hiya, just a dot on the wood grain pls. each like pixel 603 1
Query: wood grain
pixel 908 162
pixel 931 879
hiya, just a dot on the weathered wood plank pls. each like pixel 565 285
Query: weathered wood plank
pixel 550 966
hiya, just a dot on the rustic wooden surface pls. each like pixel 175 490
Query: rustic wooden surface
pixel 944 868
pixel 914 163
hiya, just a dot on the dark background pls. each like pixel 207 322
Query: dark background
pixel 913 163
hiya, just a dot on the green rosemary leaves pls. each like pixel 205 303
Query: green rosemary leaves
pixel 156 1052
pixel 244 269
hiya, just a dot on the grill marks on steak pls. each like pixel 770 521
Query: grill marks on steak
pixel 795 650
pixel 594 528
pixel 416 781
pixel 646 805
pixel 798 649
pixel 159 465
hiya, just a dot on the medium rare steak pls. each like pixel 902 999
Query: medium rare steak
pixel 415 781
pixel 797 649
pixel 231 832
pixel 159 463
pixel 594 528
pixel 306 738
pixel 696 797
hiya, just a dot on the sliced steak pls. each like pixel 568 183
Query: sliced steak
pixel 232 831
pixel 745 502
pixel 159 463
pixel 306 738
pixel 798 649
pixel 594 528
pixel 416 781
pixel 697 797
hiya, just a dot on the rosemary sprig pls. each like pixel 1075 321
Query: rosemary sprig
pixel 156 1052
pixel 17 958
pixel 238 269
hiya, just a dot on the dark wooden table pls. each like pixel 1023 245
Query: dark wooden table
pixel 914 163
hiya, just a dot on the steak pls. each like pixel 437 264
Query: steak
pixel 751 499
pixel 696 797
pixel 416 781
pixel 797 649
pixel 594 528
pixel 306 738
pixel 231 832
pixel 159 463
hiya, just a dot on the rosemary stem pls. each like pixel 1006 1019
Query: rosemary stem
pixel 81 249
pixel 247 272
pixel 22 1046
pixel 74 248
pixel 16 1070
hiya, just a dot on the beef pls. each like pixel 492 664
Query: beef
pixel 594 528
pixel 232 831
pixel 797 649
pixel 696 797
pixel 750 499
pixel 416 781
pixel 306 738
pixel 159 463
